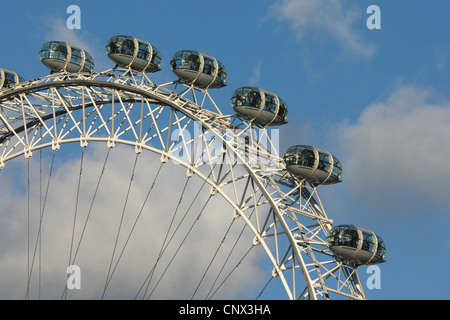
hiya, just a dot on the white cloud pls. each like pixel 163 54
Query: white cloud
pixel 256 76
pixel 97 245
pixel 397 154
pixel 329 16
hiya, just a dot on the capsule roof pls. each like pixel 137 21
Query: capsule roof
pixel 259 106
pixel 199 69
pixel 315 165
pixel 134 53
pixel 357 245
pixel 61 56
pixel 9 78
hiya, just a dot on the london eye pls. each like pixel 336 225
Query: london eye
pixel 211 174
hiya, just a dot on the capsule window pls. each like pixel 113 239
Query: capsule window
pixel 324 162
pixel 240 97
pixel 381 248
pixel 143 52
pixel 350 237
pixel 44 53
pixel 337 168
pixel 77 57
pixel 222 74
pixel 53 50
pixel 209 67
pixel 186 60
pixel 368 242
pixel 114 45
pixel 156 58
pixel 10 80
pixel 307 158
pixel 282 111
pixel 290 157
pixel 121 45
pixel 89 62
pixel 246 97
pixel 270 103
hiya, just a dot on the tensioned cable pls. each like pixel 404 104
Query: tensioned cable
pixel 182 242
pixel 214 257
pixel 231 272
pixel 225 262
pixel 120 225
pixel 230 253
pixel 89 213
pixel 135 222
pixel 264 288
pixel 40 226
pixel 28 216
pixel 163 248
pixel 91 205
pixel 76 205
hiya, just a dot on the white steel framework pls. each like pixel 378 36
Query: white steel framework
pixel 182 124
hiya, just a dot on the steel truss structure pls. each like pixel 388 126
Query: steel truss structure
pixel 183 124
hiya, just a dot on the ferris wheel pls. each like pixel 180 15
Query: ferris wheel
pixel 195 196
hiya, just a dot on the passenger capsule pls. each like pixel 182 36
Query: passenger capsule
pixel 315 165
pixel 259 106
pixel 199 69
pixel 130 52
pixel 357 245
pixel 61 56
pixel 9 79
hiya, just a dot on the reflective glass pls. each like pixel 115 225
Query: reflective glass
pixel 53 50
pixel 185 60
pixel 89 62
pixel 368 242
pixel 246 97
pixel 144 51
pixel 324 162
pixel 306 157
pixel 290 157
pixel 270 103
pixel 58 51
pixel 121 45
pixel 337 168
pixel 114 45
pixel 208 67
pixel 282 111
pixel 156 58
pixel 10 80
pixel 222 75
pixel 343 236
pixel 381 248
pixel 77 57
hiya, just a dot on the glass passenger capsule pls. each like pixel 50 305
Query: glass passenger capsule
pixel 315 165
pixel 199 69
pixel 61 56
pixel 131 52
pixel 9 79
pixel 259 106
pixel 357 245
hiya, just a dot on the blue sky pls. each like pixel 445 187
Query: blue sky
pixel 377 99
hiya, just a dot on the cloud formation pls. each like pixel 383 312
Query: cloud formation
pixel 397 154
pixel 333 17
pixel 97 246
